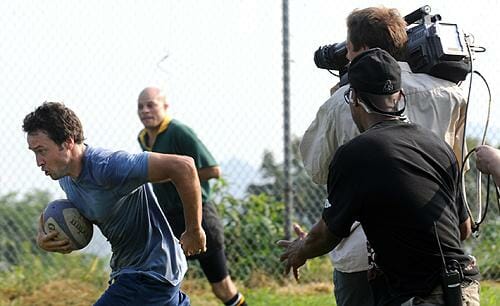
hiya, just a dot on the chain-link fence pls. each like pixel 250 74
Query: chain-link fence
pixel 221 62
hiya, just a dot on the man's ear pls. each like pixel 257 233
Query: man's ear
pixel 68 143
pixel 165 104
pixel 355 101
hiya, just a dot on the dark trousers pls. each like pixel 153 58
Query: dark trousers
pixel 352 289
pixel 137 289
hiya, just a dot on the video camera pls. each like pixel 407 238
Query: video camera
pixel 436 48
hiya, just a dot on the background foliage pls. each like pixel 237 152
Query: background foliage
pixel 223 78
pixel 252 223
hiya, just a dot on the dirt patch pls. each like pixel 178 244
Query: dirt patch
pixel 61 293
pixel 305 289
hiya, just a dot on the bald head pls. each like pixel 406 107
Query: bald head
pixel 151 93
pixel 151 107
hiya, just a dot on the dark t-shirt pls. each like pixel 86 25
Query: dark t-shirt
pixel 398 179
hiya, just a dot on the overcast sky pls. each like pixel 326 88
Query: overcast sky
pixel 220 62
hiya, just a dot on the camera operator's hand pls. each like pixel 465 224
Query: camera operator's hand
pixel 488 161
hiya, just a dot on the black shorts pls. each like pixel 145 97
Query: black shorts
pixel 213 261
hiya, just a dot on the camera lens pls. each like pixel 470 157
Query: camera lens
pixel 331 57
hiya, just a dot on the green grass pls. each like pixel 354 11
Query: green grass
pixel 490 293
pixel 270 297
pixel 81 280
pixel 490 296
pixel 46 295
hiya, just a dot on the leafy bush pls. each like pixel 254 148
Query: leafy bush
pixel 18 225
pixel 251 226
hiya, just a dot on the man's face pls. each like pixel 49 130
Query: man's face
pixel 53 159
pixel 151 109
pixel 356 111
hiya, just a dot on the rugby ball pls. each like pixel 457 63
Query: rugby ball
pixel 62 216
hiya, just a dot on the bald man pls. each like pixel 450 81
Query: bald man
pixel 163 134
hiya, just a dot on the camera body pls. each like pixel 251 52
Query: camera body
pixel 435 48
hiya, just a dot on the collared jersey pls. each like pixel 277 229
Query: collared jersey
pixel 112 191
pixel 175 137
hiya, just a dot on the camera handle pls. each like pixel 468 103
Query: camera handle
pixel 417 14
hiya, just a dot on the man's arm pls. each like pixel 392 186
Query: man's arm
pixel 465 229
pixel 317 242
pixel 209 172
pixel 182 172
pixel 316 148
pixel 332 127
pixel 488 161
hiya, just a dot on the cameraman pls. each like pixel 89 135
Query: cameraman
pixel 400 181
pixel 431 102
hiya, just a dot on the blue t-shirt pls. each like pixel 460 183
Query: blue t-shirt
pixel 112 191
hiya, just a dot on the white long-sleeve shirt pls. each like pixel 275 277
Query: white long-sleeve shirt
pixel 431 102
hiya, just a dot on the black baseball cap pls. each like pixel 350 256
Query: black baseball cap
pixel 375 71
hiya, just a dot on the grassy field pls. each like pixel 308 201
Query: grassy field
pixel 313 294
pixel 80 283
pixel 76 292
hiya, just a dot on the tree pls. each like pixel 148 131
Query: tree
pixel 308 197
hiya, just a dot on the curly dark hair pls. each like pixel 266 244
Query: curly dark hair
pixel 59 122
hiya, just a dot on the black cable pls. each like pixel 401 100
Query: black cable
pixel 483 140
pixel 337 75
pixel 487 203
pixel 464 137
pixel 440 249
pixel 475 224
pixel 461 183
pixel 464 140
pixel 478 49
pixel 498 198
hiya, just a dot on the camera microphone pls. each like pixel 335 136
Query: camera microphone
pixel 417 14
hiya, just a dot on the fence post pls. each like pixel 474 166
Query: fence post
pixel 287 185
